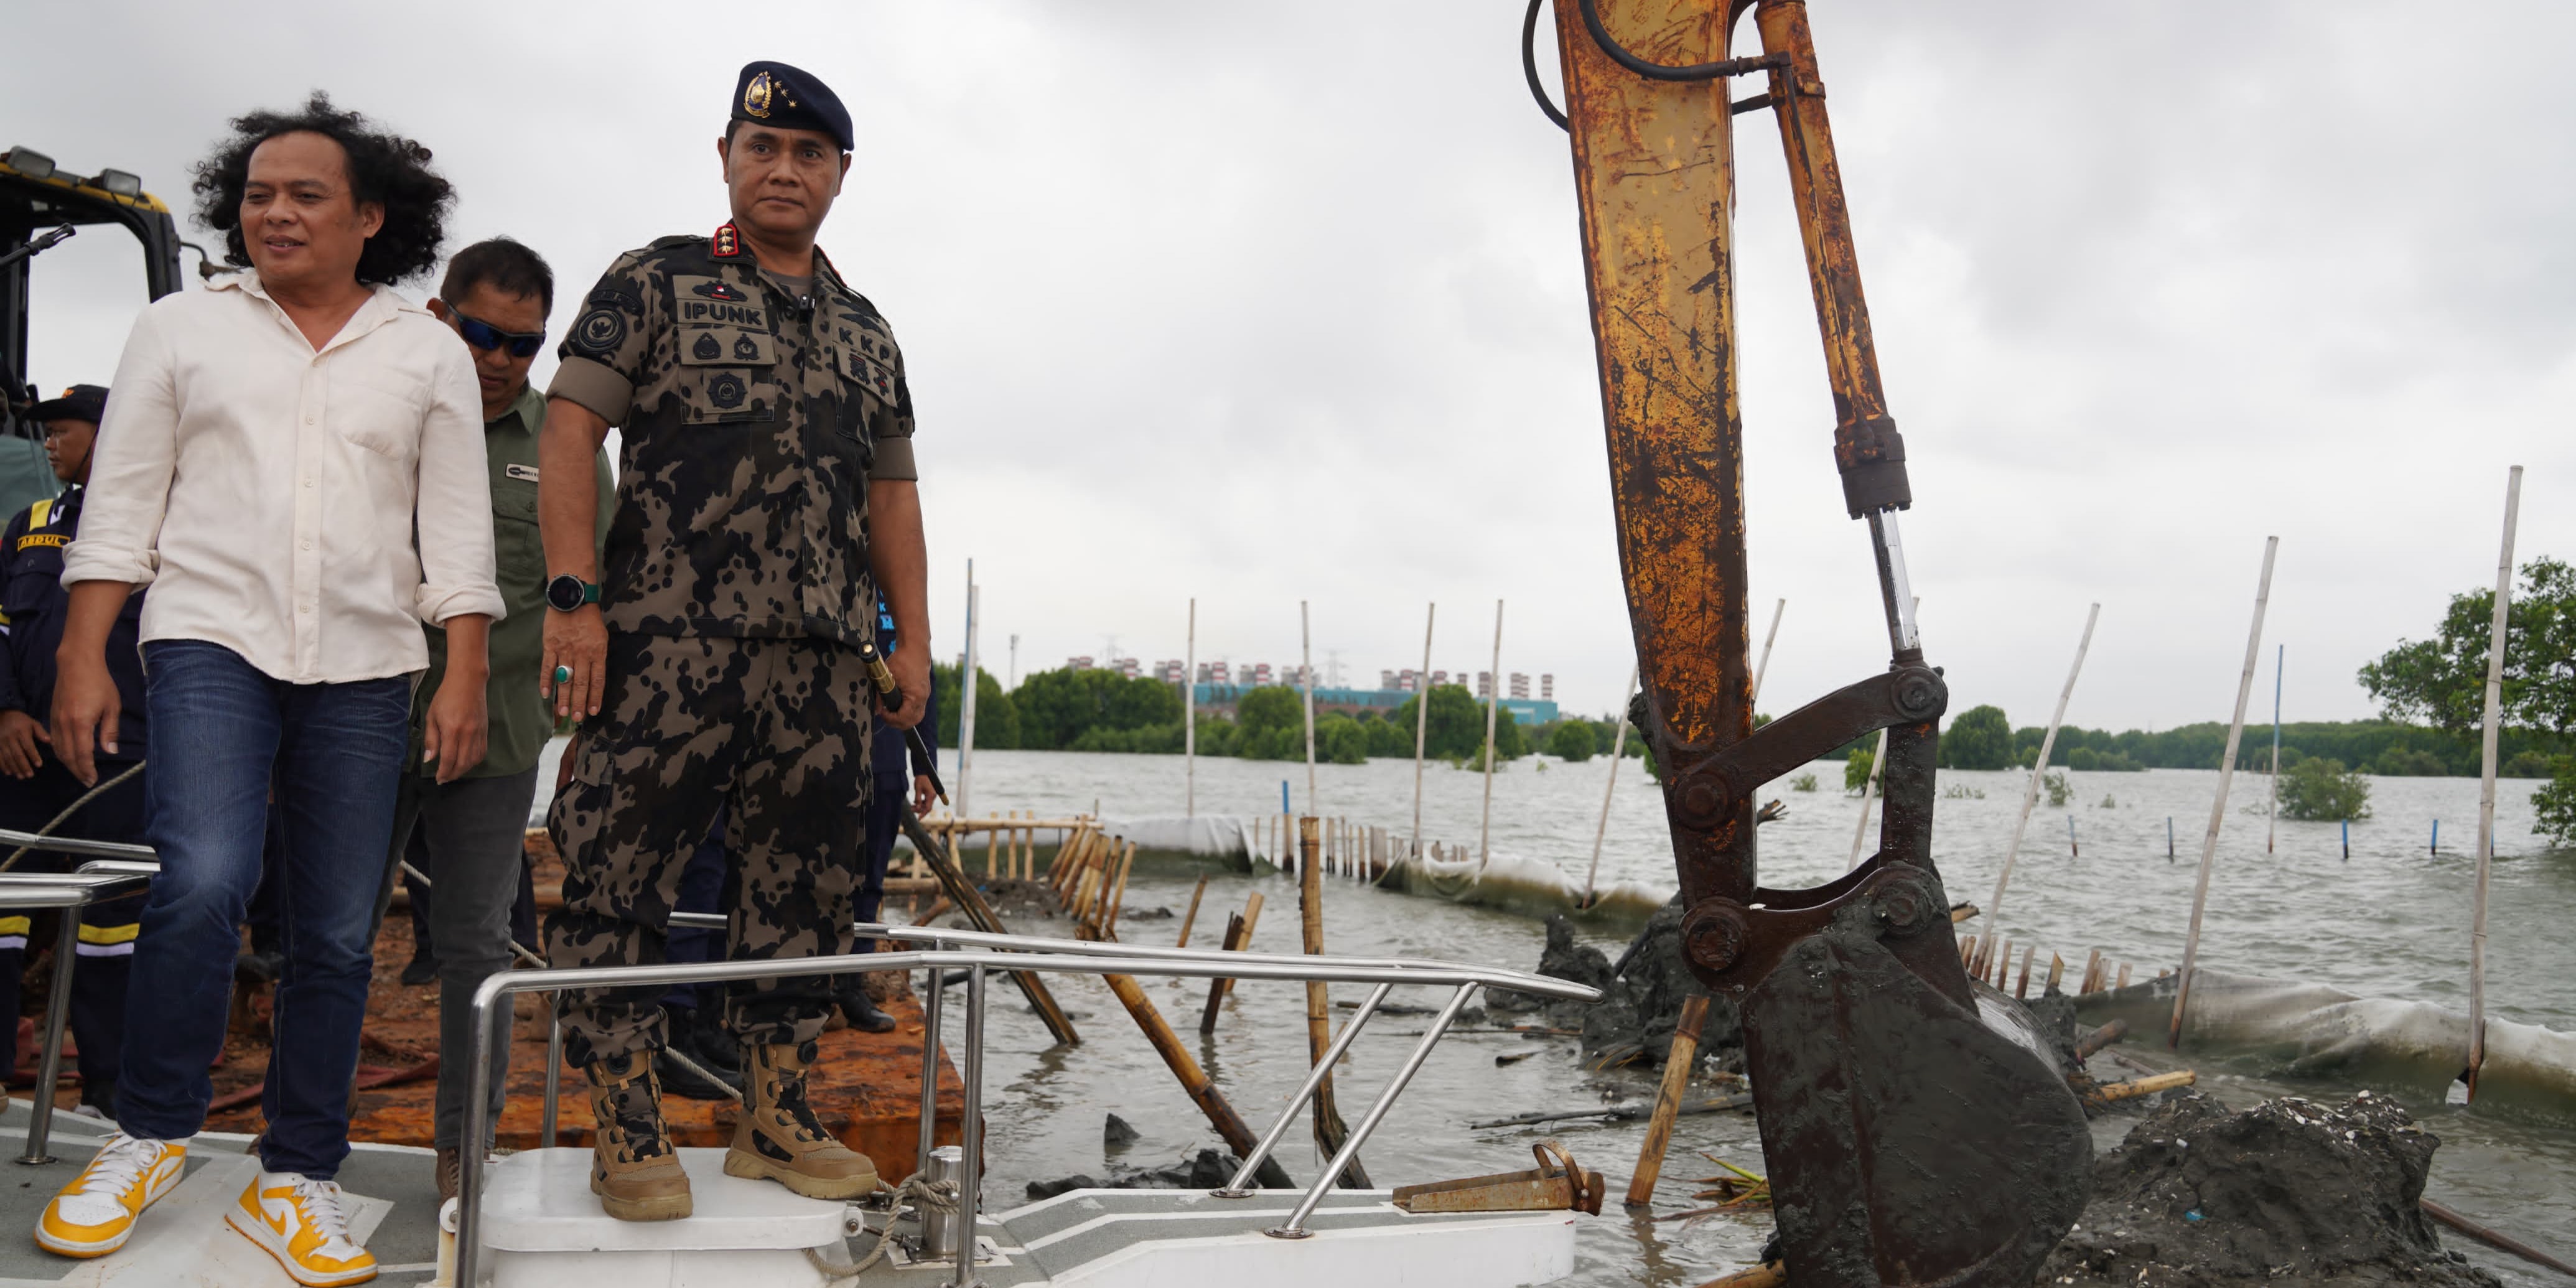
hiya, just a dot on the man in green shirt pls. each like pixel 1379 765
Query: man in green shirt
pixel 496 295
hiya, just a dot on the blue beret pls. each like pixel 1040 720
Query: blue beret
pixel 780 95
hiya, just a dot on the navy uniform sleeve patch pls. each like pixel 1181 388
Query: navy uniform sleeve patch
pixel 618 297
pixel 599 332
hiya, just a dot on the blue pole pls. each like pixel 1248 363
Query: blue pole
pixel 1283 797
pixel 2347 840
pixel 2437 836
pixel 2071 851
pixel 2169 838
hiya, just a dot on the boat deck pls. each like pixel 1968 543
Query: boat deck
pixel 184 1240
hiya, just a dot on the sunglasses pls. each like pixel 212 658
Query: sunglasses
pixel 483 335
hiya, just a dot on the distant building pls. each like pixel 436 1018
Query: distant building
pixel 1484 684
pixel 1170 672
pixel 1082 663
pixel 1546 687
pixel 1126 666
pixel 1407 680
pixel 1439 678
pixel 1520 685
pixel 1260 674
pixel 1217 673
pixel 1386 680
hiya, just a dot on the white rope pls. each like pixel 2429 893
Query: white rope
pixel 926 1196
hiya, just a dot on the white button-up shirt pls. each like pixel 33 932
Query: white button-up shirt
pixel 269 493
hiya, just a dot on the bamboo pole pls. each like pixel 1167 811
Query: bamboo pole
pixel 2038 770
pixel 1194 1080
pixel 2021 988
pixel 1763 667
pixel 2486 786
pixel 1107 924
pixel 966 702
pixel 1668 1099
pixel 1190 723
pixel 1193 915
pixel 1232 943
pixel 1421 720
pixel 1251 922
pixel 1493 705
pixel 2056 972
pixel 2218 810
pixel 1610 789
pixel 953 879
pixel 1306 680
pixel 1770 1274
pixel 1330 1132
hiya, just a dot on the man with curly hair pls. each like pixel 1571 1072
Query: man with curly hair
pixel 767 496
pixel 275 444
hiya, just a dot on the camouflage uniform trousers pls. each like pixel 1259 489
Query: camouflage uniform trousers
pixel 773 734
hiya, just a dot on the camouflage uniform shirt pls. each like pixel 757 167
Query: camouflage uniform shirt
pixel 751 421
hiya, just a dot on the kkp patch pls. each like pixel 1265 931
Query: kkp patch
pixel 726 391
pixel 599 332
pixel 755 96
pixel 706 349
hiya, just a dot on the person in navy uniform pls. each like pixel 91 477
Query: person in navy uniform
pixel 34 786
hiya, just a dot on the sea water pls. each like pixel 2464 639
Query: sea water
pixel 2390 922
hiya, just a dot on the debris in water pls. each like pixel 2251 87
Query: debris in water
pixel 1205 1170
pixel 1641 997
pixel 1116 1133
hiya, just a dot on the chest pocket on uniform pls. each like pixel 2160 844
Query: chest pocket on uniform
pixel 867 387
pixel 728 360
pixel 728 373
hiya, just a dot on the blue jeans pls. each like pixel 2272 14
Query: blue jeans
pixel 224 735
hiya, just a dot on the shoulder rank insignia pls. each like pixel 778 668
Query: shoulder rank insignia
pixel 728 242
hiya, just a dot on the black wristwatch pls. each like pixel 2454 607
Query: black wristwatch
pixel 567 592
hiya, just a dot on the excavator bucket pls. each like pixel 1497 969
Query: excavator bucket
pixel 1907 1142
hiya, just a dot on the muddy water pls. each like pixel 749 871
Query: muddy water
pixel 2392 921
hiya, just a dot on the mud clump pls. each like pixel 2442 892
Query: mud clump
pixel 1205 1170
pixel 1641 997
pixel 2288 1192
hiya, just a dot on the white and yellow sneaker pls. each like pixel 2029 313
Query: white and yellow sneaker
pixel 94 1214
pixel 299 1222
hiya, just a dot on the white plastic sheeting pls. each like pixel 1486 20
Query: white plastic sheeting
pixel 2412 1048
pixel 1528 886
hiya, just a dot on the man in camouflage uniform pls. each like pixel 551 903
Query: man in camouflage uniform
pixel 765 497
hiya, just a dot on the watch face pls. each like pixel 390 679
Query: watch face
pixel 565 593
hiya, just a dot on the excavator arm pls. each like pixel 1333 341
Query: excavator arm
pixel 1908 1143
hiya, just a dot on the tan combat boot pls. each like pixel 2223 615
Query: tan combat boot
pixel 778 1136
pixel 633 1169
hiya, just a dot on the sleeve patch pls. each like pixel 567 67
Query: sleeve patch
pixel 599 332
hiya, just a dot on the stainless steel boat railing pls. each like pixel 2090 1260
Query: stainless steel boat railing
pixel 979 955
pixel 115 871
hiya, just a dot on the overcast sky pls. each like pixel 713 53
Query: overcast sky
pixel 1262 303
